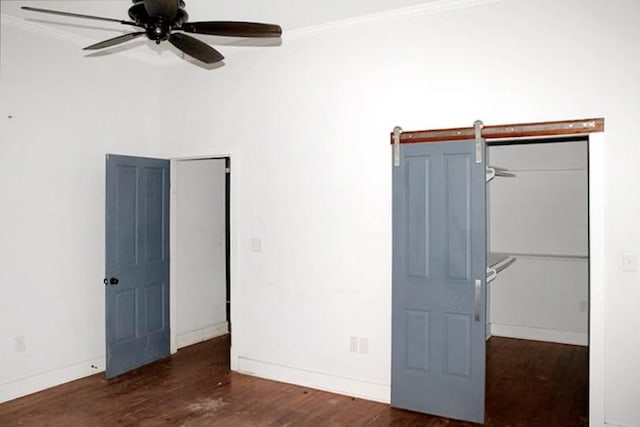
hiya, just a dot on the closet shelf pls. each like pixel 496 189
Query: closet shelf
pixel 497 263
pixel 493 171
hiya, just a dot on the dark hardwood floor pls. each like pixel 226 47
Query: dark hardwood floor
pixel 528 384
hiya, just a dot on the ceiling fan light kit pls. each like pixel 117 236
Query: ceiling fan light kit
pixel 163 19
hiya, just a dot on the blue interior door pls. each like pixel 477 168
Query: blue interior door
pixel 439 269
pixel 137 262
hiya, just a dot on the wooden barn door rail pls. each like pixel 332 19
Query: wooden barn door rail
pixel 521 130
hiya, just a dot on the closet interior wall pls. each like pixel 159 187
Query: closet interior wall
pixel 541 217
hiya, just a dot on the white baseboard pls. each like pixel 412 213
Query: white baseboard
pixel 316 380
pixel 203 334
pixel 38 382
pixel 540 334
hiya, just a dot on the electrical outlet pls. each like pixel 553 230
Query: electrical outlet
pixel 353 344
pixel 20 345
pixel 364 346
pixel 359 345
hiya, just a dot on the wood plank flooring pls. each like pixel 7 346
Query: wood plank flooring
pixel 528 384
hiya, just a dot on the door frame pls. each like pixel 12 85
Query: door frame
pixel 231 249
pixel 597 278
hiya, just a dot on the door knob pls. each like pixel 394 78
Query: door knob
pixel 112 281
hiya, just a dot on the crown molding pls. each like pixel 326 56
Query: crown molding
pixel 431 8
pixel 36 28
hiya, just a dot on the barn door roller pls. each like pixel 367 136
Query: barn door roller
pixel 477 127
pixel 397 131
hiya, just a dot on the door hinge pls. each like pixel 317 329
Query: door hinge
pixel 397 131
pixel 480 143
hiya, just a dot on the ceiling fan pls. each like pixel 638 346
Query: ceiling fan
pixel 161 19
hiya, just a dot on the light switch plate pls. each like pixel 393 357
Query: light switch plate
pixel 629 262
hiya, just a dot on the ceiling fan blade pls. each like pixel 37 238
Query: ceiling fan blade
pixel 78 15
pixel 164 8
pixel 233 29
pixel 114 41
pixel 195 48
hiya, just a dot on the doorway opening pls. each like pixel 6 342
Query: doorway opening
pixel 200 250
pixel 538 213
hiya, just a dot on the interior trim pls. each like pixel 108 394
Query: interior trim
pixel 518 130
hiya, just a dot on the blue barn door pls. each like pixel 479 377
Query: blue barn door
pixel 439 269
pixel 137 262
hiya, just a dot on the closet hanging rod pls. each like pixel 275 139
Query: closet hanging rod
pixel 493 171
pixel 499 169
pixel 498 262
pixel 507 263
pixel 564 127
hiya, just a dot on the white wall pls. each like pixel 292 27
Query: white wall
pixel 60 113
pixel 541 216
pixel 542 298
pixel 307 125
pixel 199 250
pixel 543 210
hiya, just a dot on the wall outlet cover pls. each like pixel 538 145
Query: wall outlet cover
pixel 629 262
pixel 20 344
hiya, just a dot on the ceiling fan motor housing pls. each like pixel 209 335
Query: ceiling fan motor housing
pixel 157 26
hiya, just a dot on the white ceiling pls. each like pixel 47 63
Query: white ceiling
pixel 290 14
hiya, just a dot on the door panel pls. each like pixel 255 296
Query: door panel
pixel 418 232
pixel 418 340
pixel 137 256
pixel 458 215
pixel 439 251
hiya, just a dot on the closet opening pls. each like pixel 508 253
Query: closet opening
pixel 497 268
pixel 538 218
